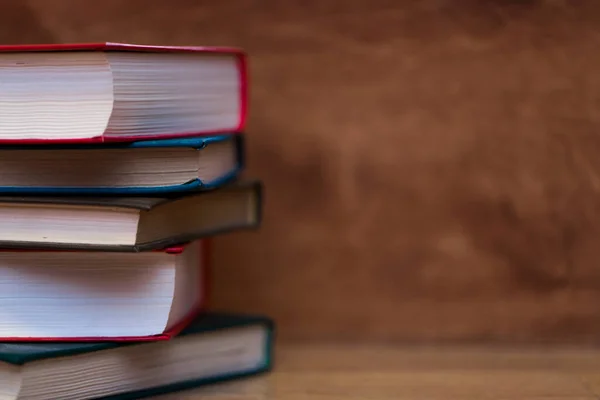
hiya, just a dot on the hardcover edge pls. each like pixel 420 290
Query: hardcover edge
pixel 117 46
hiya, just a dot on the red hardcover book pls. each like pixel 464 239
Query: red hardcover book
pixel 102 92
pixel 80 296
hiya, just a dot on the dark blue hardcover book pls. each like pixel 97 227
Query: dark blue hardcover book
pixel 112 223
pixel 215 347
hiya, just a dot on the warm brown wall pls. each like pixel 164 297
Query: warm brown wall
pixel 432 167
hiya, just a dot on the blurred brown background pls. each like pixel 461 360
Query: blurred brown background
pixel 432 167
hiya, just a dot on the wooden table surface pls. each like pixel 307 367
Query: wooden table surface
pixel 326 372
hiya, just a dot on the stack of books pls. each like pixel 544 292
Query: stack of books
pixel 118 163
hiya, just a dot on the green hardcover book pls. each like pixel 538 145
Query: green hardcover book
pixel 215 347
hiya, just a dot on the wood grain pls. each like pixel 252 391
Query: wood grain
pixel 325 372
pixel 431 166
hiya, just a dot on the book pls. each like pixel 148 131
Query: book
pixel 127 224
pixel 83 296
pixel 214 347
pixel 150 167
pixel 98 92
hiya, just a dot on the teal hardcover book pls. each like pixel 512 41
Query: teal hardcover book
pixel 215 347
pixel 149 167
